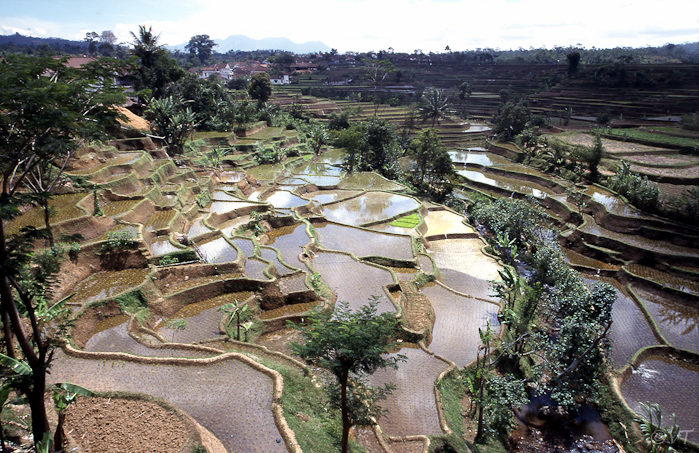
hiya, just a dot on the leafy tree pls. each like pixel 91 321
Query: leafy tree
pixel 511 119
pixel 260 87
pixel 465 90
pixel 434 106
pixel 351 345
pixel 431 159
pixel 174 124
pixel 108 37
pixel 40 118
pixel 573 62
pixel 201 46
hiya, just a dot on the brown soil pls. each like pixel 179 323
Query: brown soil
pixel 125 425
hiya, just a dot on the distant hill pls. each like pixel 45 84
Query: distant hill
pixel 241 42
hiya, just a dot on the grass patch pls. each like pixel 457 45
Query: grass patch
pixel 656 138
pixel 317 426
pixel 408 221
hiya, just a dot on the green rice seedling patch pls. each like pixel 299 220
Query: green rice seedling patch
pixel 408 221
pixel 159 220
pixel 657 138
pixel 108 284
pixel 62 208
pixel 115 208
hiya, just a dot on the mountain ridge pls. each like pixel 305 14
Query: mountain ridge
pixel 245 43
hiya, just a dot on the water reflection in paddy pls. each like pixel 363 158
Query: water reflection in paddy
pixel 362 242
pixel 285 200
pixel 463 266
pixel 446 222
pixel 162 246
pixel 370 207
pixel 218 251
pixel 222 207
pixel 477 158
pixel 329 196
pixel 611 202
pixel 289 240
pixel 678 323
pixel 515 185
pixel 673 385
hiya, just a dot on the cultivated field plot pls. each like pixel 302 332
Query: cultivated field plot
pixel 200 319
pixel 162 246
pixel 464 267
pixel 240 416
pixel 218 251
pixel 330 196
pixel 673 385
pixel 411 407
pixel 611 146
pixel 363 243
pixel 289 240
pixel 353 281
pixel 62 208
pixel 446 222
pixel 368 181
pixel 108 284
pixel 457 320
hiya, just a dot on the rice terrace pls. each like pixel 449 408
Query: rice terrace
pixel 522 236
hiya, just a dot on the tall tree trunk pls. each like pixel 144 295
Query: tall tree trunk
pixel 5 295
pixel 40 421
pixel 345 415
pixel 47 222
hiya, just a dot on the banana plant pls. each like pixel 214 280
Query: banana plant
pixel 659 438
pixel 233 310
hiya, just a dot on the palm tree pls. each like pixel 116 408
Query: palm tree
pixel 434 106
pixel 145 44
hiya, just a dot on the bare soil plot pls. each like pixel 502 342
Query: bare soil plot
pixel 368 181
pixel 611 146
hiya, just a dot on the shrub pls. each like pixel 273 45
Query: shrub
pixel 641 192
pixel 118 240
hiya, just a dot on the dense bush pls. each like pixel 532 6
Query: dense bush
pixel 641 192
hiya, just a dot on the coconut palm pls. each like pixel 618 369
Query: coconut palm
pixel 145 44
pixel 660 439
pixel 434 106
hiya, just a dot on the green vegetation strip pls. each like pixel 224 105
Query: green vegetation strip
pixel 408 221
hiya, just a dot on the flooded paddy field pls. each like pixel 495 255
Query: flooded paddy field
pixel 463 305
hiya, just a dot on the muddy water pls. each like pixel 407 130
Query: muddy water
pixel 446 222
pixel 287 310
pixel 363 242
pixel 577 259
pixel 162 246
pixel 254 268
pixel 270 255
pixel 368 181
pixel 457 320
pixel 353 281
pixel 673 385
pixel 202 319
pixel 411 407
pixel 665 279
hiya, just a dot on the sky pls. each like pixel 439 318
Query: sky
pixel 370 25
